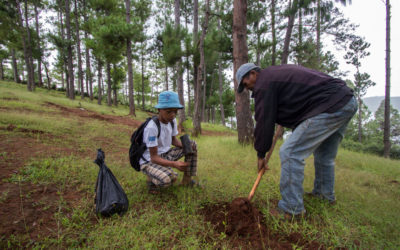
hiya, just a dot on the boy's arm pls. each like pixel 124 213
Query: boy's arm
pixel 176 142
pixel 156 159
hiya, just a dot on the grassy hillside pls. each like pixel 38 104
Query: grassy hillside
pixel 47 178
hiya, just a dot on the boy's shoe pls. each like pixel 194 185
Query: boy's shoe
pixel 319 196
pixel 152 188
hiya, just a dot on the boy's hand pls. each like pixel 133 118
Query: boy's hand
pixel 180 165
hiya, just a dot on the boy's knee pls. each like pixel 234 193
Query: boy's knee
pixel 167 181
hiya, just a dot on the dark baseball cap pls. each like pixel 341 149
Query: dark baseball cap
pixel 241 72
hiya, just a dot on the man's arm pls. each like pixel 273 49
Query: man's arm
pixel 266 109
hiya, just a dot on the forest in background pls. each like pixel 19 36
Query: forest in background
pixel 125 52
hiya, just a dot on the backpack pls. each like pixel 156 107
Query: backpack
pixel 137 146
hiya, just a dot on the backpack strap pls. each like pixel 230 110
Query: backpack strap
pixel 157 122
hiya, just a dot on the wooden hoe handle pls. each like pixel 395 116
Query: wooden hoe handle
pixel 278 132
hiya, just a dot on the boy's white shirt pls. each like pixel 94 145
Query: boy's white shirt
pixel 163 143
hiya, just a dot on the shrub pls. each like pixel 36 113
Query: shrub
pixel 395 152
pixel 370 148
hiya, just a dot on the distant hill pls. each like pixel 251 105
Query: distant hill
pixel 374 102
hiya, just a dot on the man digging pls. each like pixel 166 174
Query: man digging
pixel 317 107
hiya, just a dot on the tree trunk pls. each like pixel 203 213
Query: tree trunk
pixel 318 31
pixel 285 52
pixel 166 77
pixel 24 43
pixel 62 81
pixel 88 71
pixel 212 113
pixel 39 61
pixel 221 105
pixel 300 42
pixel 64 70
pixel 359 119
pixel 179 71
pixel 204 93
pixel 151 95
pixel 243 113
pixel 115 94
pixel 129 59
pixel 257 31
pixel 78 48
pixel 47 75
pixel 142 79
pixel 195 47
pixel 187 71
pixel 15 66
pixel 31 71
pixel 1 70
pixel 108 84
pixel 89 79
pixel 386 130
pixel 197 111
pixel 273 56
pixel 102 86
pixel 188 86
pixel 99 74
pixel 69 49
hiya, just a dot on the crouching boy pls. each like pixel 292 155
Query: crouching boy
pixel 160 158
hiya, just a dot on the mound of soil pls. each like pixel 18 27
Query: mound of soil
pixel 245 227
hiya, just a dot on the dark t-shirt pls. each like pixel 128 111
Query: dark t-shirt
pixel 290 94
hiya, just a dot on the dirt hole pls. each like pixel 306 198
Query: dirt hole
pixel 245 226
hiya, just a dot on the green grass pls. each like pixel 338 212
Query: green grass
pixel 188 124
pixel 367 187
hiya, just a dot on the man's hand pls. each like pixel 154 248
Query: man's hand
pixel 180 165
pixel 262 164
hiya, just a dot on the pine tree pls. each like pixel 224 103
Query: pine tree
pixel 357 51
pixel 243 113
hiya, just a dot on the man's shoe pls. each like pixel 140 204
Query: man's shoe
pixel 282 215
pixel 319 196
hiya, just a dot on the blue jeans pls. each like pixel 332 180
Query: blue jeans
pixel 320 135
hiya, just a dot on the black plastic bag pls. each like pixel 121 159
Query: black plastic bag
pixel 110 197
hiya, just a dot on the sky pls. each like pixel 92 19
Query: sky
pixel 370 15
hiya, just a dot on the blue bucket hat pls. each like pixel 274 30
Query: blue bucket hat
pixel 167 100
pixel 241 72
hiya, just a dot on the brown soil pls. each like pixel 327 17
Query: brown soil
pixel 84 113
pixel 245 227
pixel 28 210
pixel 216 133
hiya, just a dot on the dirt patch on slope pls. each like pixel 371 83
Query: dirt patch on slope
pixel 245 227
pixel 28 210
pixel 216 133
pixel 12 127
pixel 81 112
